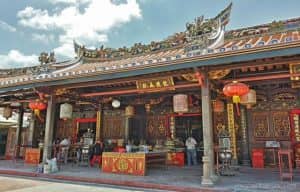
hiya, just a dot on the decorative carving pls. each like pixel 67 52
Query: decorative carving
pixel 219 124
pixel 44 58
pixel 279 129
pixel 260 124
pixel 201 32
pixel 218 74
pixel 284 97
pixel 156 126
pixel 281 124
pixel 190 77
pixel 113 125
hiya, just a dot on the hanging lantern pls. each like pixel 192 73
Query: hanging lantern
pixel 37 107
pixel 7 112
pixel 249 99
pixel 180 103
pixel 218 106
pixel 116 103
pixel 129 111
pixel 235 90
pixel 65 111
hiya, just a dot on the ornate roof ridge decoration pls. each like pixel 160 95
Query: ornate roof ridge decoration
pixel 47 64
pixel 199 34
pixel 268 28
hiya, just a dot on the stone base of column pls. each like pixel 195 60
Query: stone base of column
pixel 207 179
pixel 207 182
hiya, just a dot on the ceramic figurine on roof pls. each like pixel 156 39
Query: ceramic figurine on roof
pixel 208 33
pixel 45 59
pixel 202 33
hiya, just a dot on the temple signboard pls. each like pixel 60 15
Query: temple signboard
pixel 157 84
pixel 180 103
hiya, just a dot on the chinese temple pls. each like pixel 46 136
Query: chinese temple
pixel 237 90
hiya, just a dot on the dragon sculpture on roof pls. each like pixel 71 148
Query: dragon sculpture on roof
pixel 202 33
pixel 207 33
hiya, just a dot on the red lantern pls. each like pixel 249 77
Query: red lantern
pixel 32 105
pixel 37 106
pixel 235 90
pixel 41 106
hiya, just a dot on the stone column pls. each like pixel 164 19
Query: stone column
pixel 31 130
pixel 126 128
pixel 208 157
pixel 244 131
pixel 19 130
pixel 49 128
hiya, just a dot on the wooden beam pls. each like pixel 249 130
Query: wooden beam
pixel 136 91
pixel 256 63
pixel 265 77
pixel 129 81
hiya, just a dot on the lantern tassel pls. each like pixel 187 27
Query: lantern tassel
pixel 38 114
pixel 237 109
pixel 236 99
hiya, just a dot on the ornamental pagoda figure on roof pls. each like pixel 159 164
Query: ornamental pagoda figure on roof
pixel 199 35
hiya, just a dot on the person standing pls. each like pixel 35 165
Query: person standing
pixel 65 144
pixel 190 144
pixel 96 153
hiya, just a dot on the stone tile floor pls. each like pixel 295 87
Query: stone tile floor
pixel 246 179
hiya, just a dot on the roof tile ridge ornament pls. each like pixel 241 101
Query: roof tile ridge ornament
pixel 204 34
pixel 272 27
pixel 195 31
pixel 46 65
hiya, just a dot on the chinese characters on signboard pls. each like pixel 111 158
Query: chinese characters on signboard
pixel 156 84
pixel 180 103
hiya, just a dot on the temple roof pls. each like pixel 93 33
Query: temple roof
pixel 195 44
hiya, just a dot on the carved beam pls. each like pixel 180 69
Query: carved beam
pixel 136 91
pixel 265 77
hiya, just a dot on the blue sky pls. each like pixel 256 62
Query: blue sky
pixel 29 27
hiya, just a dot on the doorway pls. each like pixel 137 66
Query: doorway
pixel 3 140
pixel 189 126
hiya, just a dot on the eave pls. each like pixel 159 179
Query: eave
pixel 224 58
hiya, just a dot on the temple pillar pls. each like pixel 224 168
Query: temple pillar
pixel 19 131
pixel 244 131
pixel 232 132
pixel 99 122
pixel 126 128
pixel 31 130
pixel 208 157
pixel 49 128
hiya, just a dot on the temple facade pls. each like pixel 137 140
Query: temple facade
pixel 204 82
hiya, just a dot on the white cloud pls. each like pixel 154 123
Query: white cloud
pixel 7 27
pixel 66 50
pixel 15 59
pixel 43 38
pixel 90 24
pixel 68 1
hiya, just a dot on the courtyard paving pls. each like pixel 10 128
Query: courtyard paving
pixel 186 178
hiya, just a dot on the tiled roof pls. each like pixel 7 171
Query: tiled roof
pixel 151 60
